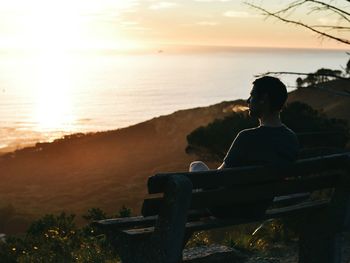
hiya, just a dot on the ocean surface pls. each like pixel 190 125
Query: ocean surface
pixel 46 95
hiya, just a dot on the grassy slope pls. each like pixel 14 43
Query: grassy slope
pixel 106 169
pixel 109 169
pixel 333 105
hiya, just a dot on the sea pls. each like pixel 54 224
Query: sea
pixel 48 94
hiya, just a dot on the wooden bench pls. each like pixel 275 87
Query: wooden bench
pixel 178 210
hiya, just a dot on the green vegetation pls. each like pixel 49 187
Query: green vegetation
pixel 213 140
pixel 57 238
pixel 251 238
pixel 320 76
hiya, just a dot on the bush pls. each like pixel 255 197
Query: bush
pixel 124 212
pixel 213 140
pixel 56 238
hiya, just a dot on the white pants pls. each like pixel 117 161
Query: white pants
pixel 198 166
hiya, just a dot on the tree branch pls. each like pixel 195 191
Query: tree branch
pixel 301 74
pixel 268 13
pixel 328 6
pixel 291 6
pixel 332 27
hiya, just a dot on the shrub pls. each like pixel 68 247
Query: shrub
pixel 56 238
pixel 124 212
pixel 213 140
pixel 94 214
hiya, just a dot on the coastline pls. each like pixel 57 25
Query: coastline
pixel 105 169
pixel 110 169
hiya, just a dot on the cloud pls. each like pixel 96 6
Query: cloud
pixel 240 14
pixel 207 23
pixel 162 5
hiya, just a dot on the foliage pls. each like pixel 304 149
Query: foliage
pixel 248 238
pixel 347 69
pixel 95 214
pixel 320 76
pixel 124 211
pixel 214 139
pixel 270 231
pixel 300 117
pixel 56 238
pixel 201 238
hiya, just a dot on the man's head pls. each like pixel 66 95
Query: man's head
pixel 268 96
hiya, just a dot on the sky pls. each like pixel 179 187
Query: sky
pixel 138 24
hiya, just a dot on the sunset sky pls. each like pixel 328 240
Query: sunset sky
pixel 128 24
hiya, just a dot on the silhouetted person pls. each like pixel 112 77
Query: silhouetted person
pixel 271 142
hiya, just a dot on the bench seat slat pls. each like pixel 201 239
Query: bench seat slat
pixel 246 194
pixel 213 222
pixel 140 221
pixel 252 174
pixel 193 215
pixel 120 223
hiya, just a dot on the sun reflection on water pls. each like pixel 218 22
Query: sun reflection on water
pixel 54 105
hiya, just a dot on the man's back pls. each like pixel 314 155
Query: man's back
pixel 263 145
pixel 270 143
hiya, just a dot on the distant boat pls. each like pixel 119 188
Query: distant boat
pixel 160 51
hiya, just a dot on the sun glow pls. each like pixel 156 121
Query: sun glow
pixel 52 26
pixel 54 105
pixel 62 25
pixel 52 30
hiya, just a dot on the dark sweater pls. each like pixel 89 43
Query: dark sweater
pixel 263 145
pixel 258 146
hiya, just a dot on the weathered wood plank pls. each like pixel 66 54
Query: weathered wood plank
pixel 247 194
pixel 121 223
pixel 212 222
pixel 114 224
pixel 252 174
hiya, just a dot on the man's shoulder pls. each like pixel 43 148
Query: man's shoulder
pixel 249 132
pixel 266 131
pixel 288 130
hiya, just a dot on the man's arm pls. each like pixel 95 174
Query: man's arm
pixel 236 153
pixel 222 166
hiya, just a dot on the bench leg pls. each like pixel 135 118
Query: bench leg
pixel 318 243
pixel 316 248
pixel 169 234
pixel 165 245
pixel 320 237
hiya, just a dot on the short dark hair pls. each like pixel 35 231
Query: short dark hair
pixel 275 90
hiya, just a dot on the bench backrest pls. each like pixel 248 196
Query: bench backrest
pixel 253 183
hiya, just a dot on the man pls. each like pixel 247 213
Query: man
pixel 270 143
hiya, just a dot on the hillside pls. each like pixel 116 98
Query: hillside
pixel 110 169
pixel 105 170
pixel 328 97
